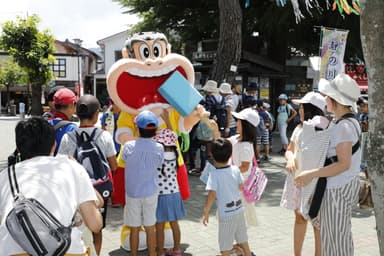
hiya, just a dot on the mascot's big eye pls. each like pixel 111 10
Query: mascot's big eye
pixel 157 50
pixel 144 51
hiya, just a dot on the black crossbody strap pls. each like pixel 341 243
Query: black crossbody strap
pixel 322 181
pixel 12 175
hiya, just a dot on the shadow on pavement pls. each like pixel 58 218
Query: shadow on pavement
pixel 122 252
pixel 362 213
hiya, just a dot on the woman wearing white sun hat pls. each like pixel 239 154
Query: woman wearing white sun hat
pixel 342 171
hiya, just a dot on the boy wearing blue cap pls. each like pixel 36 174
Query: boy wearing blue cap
pixel 142 159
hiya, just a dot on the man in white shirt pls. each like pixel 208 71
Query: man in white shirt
pixel 60 184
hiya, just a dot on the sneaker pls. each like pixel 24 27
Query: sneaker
pixel 195 172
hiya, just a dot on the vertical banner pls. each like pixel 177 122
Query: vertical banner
pixel 332 52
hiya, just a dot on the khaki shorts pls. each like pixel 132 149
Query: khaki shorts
pixel 140 211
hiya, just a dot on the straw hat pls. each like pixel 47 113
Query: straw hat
pixel 343 89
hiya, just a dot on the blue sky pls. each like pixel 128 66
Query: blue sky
pixel 89 20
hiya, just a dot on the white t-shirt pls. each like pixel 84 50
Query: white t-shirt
pixel 104 141
pixel 59 183
pixel 344 131
pixel 226 181
pixel 242 151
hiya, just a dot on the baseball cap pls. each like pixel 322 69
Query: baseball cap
pixel 87 105
pixel 52 92
pixel 146 120
pixel 313 98
pixel 248 114
pixel 64 96
pixel 283 96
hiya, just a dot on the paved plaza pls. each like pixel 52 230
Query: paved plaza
pixel 272 236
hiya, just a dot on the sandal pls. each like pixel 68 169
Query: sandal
pixel 178 252
pixel 237 250
pixel 194 172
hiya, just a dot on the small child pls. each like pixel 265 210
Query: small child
pixel 225 184
pixel 170 206
pixel 142 159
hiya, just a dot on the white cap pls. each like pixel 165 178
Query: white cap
pixel 313 98
pixel 248 114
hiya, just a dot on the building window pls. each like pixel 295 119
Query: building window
pixel 59 68
pixel 118 55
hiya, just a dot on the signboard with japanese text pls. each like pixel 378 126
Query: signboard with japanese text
pixel 332 52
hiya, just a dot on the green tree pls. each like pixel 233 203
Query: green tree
pixel 33 51
pixel 193 21
pixel 11 74
pixel 185 22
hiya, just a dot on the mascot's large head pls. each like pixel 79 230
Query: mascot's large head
pixel 133 81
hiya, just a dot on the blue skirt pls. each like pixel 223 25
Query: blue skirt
pixel 170 207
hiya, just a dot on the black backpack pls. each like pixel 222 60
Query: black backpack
pixel 220 112
pixel 89 155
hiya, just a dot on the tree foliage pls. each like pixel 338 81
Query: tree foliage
pixel 181 20
pixel 11 74
pixel 32 50
pixel 194 21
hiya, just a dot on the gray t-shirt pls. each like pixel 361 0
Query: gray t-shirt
pixel 344 131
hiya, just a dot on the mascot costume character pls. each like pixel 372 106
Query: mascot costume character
pixel 134 84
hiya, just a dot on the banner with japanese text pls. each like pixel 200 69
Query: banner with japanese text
pixel 332 52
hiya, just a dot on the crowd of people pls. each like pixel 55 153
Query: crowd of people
pixel 56 170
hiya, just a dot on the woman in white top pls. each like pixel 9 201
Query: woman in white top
pixel 341 193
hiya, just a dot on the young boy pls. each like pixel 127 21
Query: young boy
pixel 142 159
pixel 225 183
pixel 87 109
pixel 64 101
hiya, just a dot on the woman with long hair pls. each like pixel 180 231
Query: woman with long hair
pixel 342 167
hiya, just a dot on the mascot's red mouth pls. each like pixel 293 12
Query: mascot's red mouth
pixel 136 91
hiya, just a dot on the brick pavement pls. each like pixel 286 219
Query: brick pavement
pixel 272 236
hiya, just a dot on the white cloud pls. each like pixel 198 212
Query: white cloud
pixel 89 20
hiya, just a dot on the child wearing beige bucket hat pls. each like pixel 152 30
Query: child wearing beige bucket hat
pixel 342 167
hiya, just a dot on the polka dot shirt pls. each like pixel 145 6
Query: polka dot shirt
pixel 167 180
